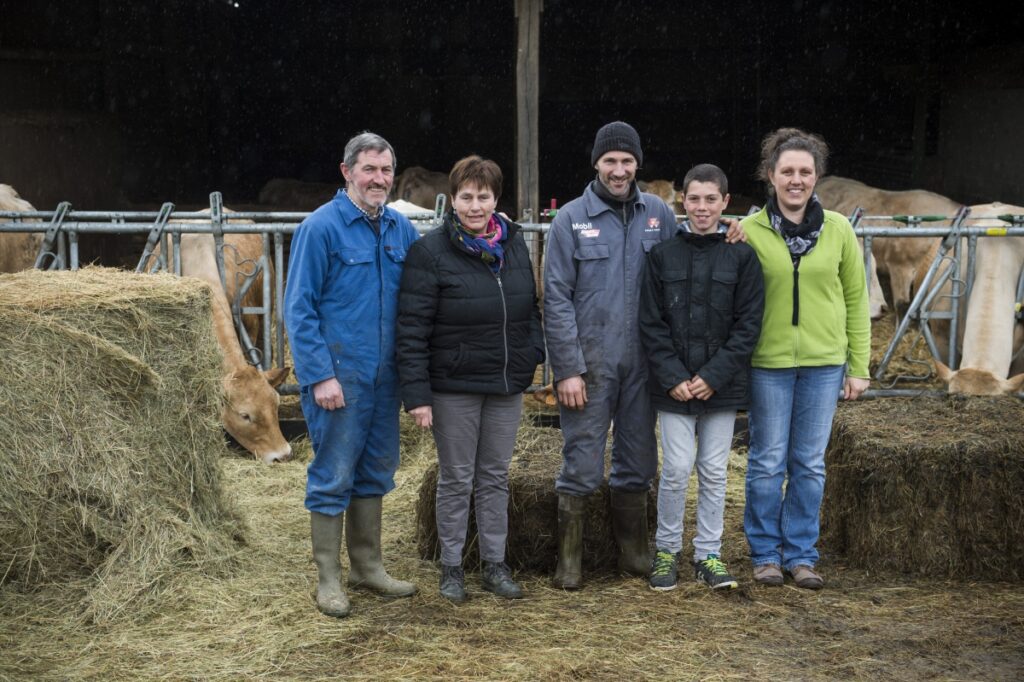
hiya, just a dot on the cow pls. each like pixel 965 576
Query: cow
pixel 410 210
pixel 899 257
pixel 18 250
pixel 991 334
pixel 665 189
pixel 419 186
pixel 251 404
pixel 297 195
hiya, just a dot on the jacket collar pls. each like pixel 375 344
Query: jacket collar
pixel 596 206
pixel 351 215
pixel 448 225
pixel 761 219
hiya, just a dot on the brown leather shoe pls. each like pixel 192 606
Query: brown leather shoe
pixel 768 574
pixel 805 577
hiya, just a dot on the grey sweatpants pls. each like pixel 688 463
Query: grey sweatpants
pixel 475 435
pixel 705 439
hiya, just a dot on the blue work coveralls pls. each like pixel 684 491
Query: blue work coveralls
pixel 593 266
pixel 340 308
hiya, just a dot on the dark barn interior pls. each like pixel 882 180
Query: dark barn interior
pixel 112 105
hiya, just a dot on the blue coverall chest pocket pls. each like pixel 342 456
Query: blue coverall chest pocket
pixel 592 267
pixel 354 256
pixel 352 275
pixel 395 253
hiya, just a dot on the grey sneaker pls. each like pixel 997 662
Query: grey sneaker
pixel 497 578
pixel 713 573
pixel 664 571
pixel 453 584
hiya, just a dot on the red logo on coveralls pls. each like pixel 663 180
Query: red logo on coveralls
pixel 653 223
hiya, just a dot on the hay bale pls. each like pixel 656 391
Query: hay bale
pixel 929 486
pixel 109 409
pixel 532 511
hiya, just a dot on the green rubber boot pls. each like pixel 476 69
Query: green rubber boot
pixel 629 525
pixel 569 573
pixel 366 569
pixel 325 532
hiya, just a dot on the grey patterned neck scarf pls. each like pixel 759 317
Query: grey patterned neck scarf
pixel 800 238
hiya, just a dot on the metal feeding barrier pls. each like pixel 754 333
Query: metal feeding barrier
pixel 164 228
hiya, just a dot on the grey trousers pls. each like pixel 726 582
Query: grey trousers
pixel 627 403
pixel 475 436
pixel 686 439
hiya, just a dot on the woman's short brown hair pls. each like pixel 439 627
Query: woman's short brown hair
pixel 478 171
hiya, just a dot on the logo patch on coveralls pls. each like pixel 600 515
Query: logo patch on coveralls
pixel 653 223
pixel 590 233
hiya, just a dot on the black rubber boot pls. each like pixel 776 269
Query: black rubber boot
pixel 326 535
pixel 569 573
pixel 629 525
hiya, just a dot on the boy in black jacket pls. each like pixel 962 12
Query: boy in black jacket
pixel 700 316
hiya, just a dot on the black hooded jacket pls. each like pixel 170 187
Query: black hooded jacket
pixel 461 327
pixel 701 306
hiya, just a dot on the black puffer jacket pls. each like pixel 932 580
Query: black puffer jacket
pixel 461 328
pixel 701 305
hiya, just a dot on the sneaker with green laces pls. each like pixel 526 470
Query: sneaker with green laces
pixel 713 573
pixel 664 571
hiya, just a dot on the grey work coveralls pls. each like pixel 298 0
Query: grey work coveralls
pixel 593 268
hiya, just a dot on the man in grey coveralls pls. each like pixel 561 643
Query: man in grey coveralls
pixel 595 257
pixel 596 254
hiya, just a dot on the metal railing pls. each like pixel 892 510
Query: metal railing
pixel 62 228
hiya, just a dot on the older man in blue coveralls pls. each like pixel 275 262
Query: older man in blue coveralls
pixel 345 263
pixel 596 254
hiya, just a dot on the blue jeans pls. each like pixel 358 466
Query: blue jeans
pixel 790 422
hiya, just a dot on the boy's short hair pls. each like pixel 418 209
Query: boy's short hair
pixel 706 172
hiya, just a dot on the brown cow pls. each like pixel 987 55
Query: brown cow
pixel 297 195
pixel 665 189
pixel 899 257
pixel 419 186
pixel 250 412
pixel 18 250
pixel 991 334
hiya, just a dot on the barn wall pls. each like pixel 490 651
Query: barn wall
pixel 50 157
pixel 112 104
pixel 983 155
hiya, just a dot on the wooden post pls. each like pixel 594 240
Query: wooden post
pixel 527 98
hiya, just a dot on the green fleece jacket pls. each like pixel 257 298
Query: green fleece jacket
pixel 833 326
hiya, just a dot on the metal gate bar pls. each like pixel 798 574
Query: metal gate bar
pixel 275 226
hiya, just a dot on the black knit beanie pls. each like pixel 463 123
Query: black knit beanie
pixel 617 137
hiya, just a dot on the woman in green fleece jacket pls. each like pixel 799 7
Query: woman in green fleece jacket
pixel 815 343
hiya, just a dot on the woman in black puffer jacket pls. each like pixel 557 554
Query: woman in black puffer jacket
pixel 469 341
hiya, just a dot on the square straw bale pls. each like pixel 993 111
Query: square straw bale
pixel 109 411
pixel 928 486
pixel 532 510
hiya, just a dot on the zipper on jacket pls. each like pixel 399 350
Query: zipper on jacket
pixel 504 329
pixel 796 291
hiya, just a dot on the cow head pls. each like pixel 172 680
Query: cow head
pixel 973 381
pixel 250 412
